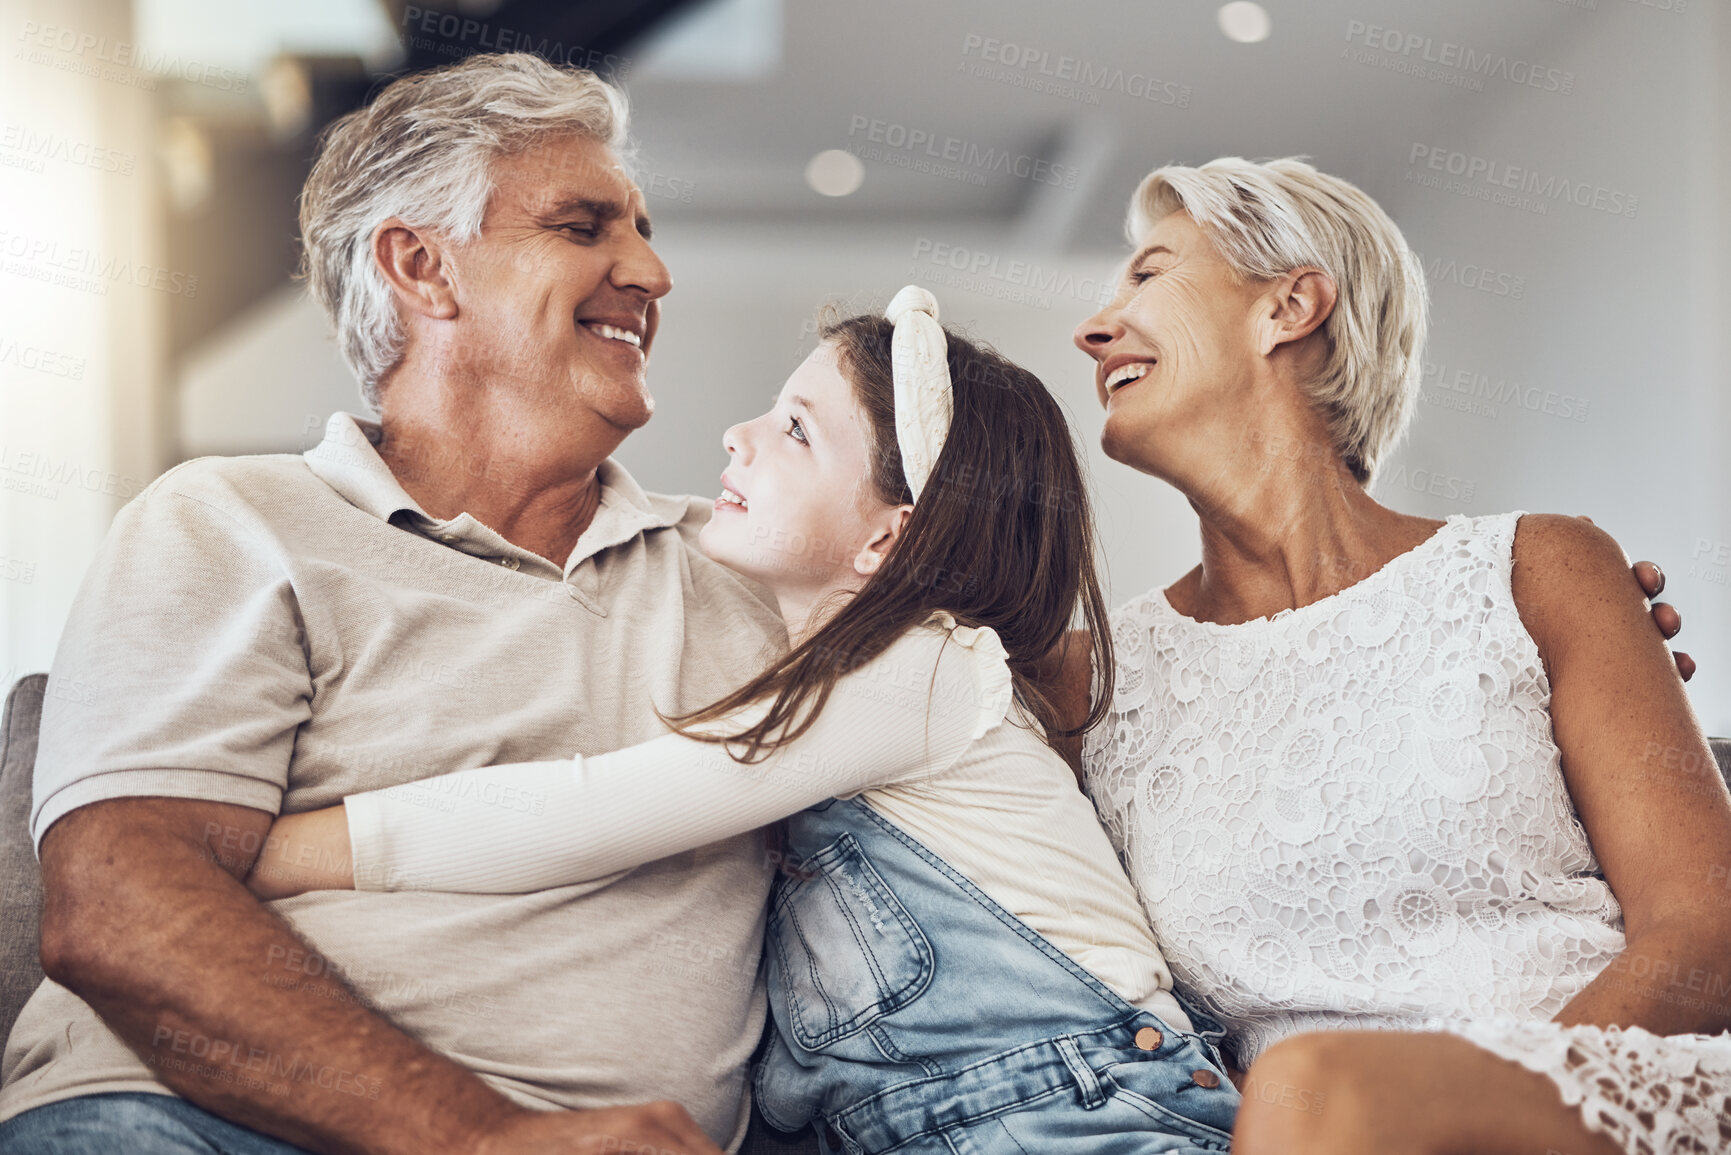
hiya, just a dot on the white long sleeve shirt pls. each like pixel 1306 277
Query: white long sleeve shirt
pixel 921 732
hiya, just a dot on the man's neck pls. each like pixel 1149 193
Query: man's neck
pixel 533 479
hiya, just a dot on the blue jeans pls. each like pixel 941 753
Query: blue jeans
pixel 914 1015
pixel 131 1123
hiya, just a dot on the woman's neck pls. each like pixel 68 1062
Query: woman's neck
pixel 1284 528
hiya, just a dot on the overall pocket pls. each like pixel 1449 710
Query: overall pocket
pixel 846 951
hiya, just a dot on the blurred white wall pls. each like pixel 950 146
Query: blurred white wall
pixel 83 293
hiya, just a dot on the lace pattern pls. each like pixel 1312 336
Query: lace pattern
pixel 1353 814
pixel 1651 1095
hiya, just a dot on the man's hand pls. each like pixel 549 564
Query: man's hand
pixel 1665 616
pixel 653 1129
pixel 302 852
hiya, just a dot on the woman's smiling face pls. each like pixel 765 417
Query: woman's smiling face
pixel 797 510
pixel 1174 349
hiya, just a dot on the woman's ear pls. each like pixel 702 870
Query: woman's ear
pixel 1300 302
pixel 417 267
pixel 885 531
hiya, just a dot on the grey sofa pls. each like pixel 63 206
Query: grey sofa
pixel 21 883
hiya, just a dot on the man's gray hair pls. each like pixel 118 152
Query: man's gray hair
pixel 423 151
pixel 1269 218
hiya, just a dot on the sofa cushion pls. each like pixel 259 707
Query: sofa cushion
pixel 20 878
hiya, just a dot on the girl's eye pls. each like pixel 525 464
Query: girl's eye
pixel 797 431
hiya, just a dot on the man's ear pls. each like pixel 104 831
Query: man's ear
pixel 418 268
pixel 1299 302
pixel 887 530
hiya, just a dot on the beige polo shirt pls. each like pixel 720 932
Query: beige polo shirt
pixel 280 631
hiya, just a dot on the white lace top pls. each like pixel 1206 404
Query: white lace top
pixel 1352 814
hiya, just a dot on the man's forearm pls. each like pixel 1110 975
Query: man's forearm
pixel 186 966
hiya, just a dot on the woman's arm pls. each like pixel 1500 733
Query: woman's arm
pixel 1640 774
pixel 510 829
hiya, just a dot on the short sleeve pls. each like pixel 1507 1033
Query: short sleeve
pixel 989 664
pixel 182 670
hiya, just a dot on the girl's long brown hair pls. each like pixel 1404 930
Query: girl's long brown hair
pixel 1002 536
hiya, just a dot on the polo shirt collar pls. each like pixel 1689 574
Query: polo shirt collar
pixel 348 461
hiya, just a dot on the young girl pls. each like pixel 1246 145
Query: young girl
pixel 956 961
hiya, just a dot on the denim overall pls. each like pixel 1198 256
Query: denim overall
pixel 913 1014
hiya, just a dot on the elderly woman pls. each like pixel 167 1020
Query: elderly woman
pixel 1377 771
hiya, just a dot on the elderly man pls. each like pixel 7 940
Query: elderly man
pixel 470 580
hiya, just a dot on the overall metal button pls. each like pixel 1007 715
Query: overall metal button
pixel 1149 1039
pixel 1205 1078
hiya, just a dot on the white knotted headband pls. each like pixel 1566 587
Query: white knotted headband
pixel 919 357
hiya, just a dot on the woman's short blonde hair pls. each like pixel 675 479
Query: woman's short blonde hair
pixel 1268 218
pixel 423 151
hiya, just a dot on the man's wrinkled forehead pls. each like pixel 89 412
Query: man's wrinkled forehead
pixel 574 177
